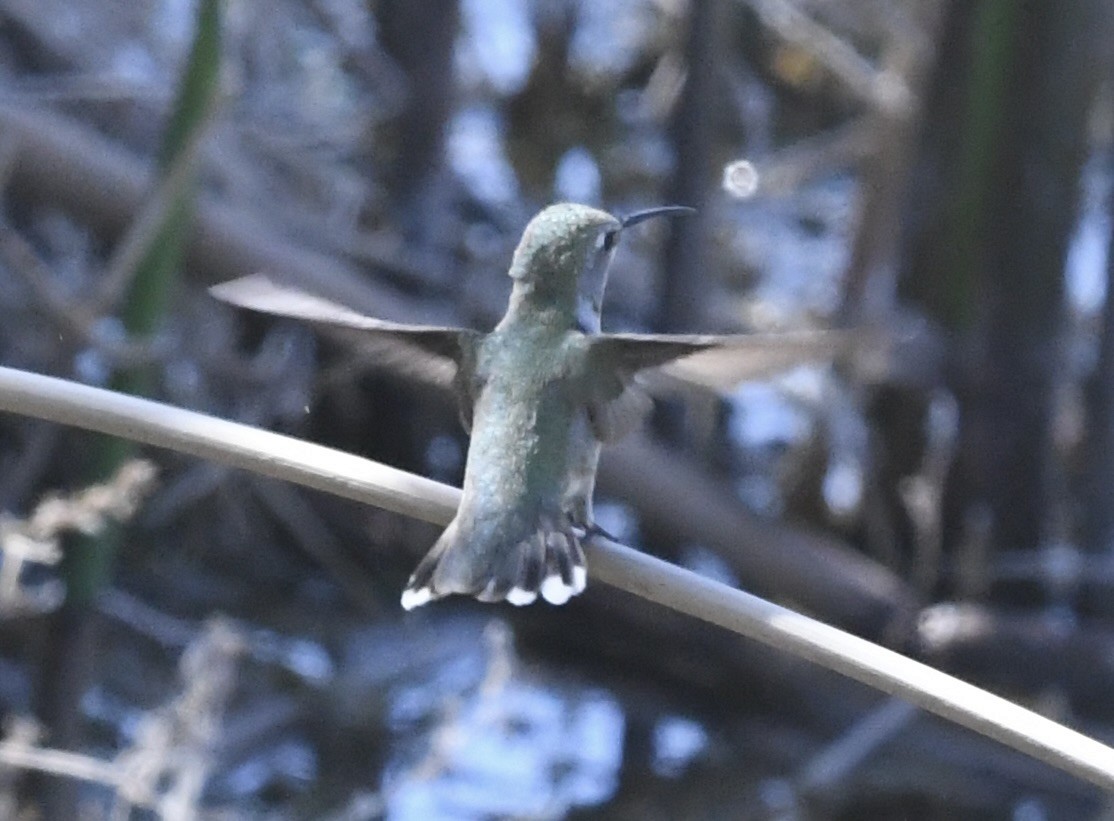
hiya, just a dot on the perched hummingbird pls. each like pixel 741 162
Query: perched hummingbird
pixel 539 394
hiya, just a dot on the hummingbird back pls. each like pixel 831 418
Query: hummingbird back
pixel 511 538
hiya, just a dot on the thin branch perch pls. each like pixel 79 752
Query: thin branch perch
pixel 613 564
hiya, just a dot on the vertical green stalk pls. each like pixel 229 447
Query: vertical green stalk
pixel 72 652
pixel 88 562
pixel 992 52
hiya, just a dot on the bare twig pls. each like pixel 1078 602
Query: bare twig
pixel 167 767
pixel 68 311
pixel 923 494
pixel 909 55
pixel 87 510
pixel 64 162
pixel 316 540
pixel 612 564
pixel 35 539
pixel 840 758
pixel 61 762
pixel 882 89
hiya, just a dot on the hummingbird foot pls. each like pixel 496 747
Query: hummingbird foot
pixel 591 530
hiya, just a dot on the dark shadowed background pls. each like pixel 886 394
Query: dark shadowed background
pixel 211 644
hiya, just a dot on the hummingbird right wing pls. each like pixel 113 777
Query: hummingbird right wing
pixel 736 358
pixel 401 343
pixel 717 361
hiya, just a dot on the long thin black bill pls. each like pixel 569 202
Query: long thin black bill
pixel 649 213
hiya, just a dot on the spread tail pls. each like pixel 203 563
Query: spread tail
pixel 548 562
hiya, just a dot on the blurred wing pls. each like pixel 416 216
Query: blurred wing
pixel 416 350
pixel 258 292
pixel 723 367
pixel 617 405
pixel 719 362
pixel 616 402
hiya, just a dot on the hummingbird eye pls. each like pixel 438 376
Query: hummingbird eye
pixel 608 239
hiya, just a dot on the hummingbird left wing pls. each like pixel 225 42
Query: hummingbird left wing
pixel 258 292
pixel 450 347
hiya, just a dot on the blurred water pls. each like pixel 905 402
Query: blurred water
pixel 677 741
pixel 497 44
pixel 1090 244
pixel 578 177
pixel 289 761
pixel 518 747
pixel 800 246
pixel 172 20
pixel 475 150
pixel 609 36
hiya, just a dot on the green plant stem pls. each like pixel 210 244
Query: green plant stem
pixel 992 48
pixel 88 562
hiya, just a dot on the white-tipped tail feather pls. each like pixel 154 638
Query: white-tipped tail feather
pixel 416 598
pixel 555 591
pixel 519 597
pixel 548 562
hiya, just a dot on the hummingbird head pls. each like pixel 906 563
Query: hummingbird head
pixel 563 257
pixel 564 252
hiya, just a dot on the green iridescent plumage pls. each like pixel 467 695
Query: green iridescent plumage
pixel 540 394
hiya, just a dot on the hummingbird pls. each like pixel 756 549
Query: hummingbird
pixel 540 394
